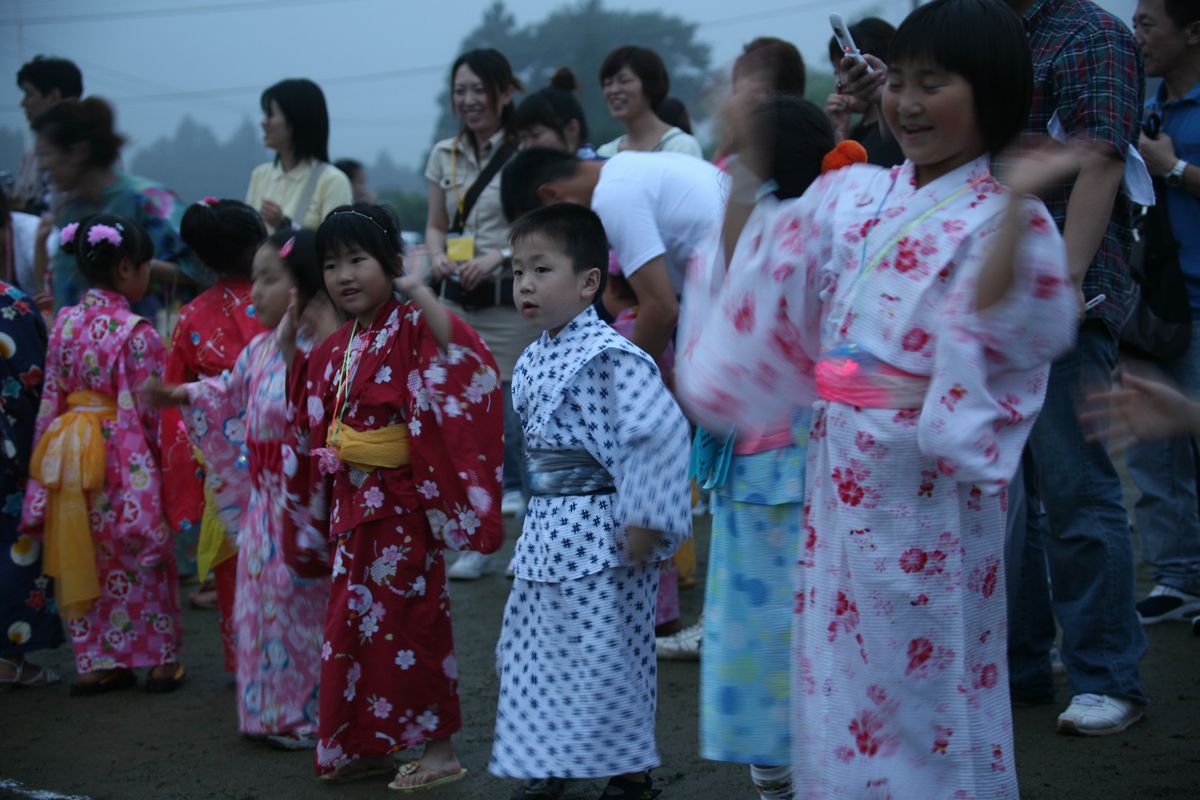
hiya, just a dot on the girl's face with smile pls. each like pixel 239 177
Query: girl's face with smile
pixel 357 283
pixel 931 112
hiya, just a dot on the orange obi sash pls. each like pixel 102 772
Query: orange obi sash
pixel 384 448
pixel 69 461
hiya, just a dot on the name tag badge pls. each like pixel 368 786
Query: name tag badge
pixel 460 248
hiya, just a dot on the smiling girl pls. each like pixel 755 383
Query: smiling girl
pixel 635 84
pixel 398 436
pixel 919 307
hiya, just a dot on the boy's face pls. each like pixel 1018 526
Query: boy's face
pixel 546 288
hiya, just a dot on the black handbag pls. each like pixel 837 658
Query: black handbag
pixel 1160 327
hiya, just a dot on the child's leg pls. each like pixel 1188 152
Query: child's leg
pixel 772 783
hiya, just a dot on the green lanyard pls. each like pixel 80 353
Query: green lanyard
pixel 346 377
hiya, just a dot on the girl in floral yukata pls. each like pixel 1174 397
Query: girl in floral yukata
pixel 212 332
pixel 95 486
pixel 919 308
pixel 278 618
pixel 397 455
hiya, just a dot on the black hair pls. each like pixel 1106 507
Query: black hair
pixel 97 260
pixel 301 260
pixel 1182 12
pixel 945 33
pixel 46 73
pixel 224 234
pixel 303 105
pixel 872 35
pixel 673 112
pixel 794 136
pixel 575 229
pixel 780 59
pixel 526 172
pixel 362 226
pixel 553 107
pixel 493 69
pixel 349 166
pixel 89 122
pixel 646 64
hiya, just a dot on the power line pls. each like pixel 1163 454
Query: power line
pixel 201 10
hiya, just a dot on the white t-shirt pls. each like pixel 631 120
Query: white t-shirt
pixel 674 140
pixel 659 204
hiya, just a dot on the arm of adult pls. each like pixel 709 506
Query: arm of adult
pixel 437 222
pixel 1089 209
pixel 1160 157
pixel 658 310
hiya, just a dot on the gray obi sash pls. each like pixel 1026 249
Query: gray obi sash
pixel 562 473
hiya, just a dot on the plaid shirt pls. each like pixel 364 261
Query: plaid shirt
pixel 1087 67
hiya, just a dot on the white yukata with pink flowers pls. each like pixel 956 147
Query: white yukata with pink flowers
pixel 922 407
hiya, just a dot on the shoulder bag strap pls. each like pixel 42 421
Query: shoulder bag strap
pixel 310 188
pixel 498 160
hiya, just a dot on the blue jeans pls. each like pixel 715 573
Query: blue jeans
pixel 1168 519
pixel 516 477
pixel 1076 560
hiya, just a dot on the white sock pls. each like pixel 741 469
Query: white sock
pixel 772 783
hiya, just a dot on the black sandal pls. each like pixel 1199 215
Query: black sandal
pixel 541 789
pixel 114 681
pixel 625 789
pixel 166 685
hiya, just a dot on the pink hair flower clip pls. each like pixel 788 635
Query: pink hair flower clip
pixel 104 233
pixel 67 235
pixel 286 250
pixel 210 201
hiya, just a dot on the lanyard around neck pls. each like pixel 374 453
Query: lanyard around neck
pixel 346 378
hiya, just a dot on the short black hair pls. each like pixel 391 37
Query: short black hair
pixel 97 260
pixel 576 230
pixel 528 171
pixel 946 33
pixel 553 107
pixel 303 105
pixel 493 69
pixel 89 122
pixel 647 64
pixel 46 73
pixel 795 135
pixel 1182 12
pixel 872 35
pixel 363 226
pixel 223 233
pixel 301 260
pixel 349 166
pixel 778 58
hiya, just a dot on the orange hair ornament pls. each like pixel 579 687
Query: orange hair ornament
pixel 846 153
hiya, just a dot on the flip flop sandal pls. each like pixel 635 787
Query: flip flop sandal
pixel 41 676
pixel 291 741
pixel 114 681
pixel 166 685
pixel 409 768
pixel 344 775
pixel 541 789
pixel 625 789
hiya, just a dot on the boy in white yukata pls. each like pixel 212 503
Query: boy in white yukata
pixel 608 456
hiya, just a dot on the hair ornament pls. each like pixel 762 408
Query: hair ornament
pixel 286 250
pixel 67 234
pixel 210 201
pixel 358 213
pixel 614 266
pixel 846 153
pixel 104 233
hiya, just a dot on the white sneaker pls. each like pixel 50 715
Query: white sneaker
pixel 682 646
pixel 469 566
pixel 512 504
pixel 1098 715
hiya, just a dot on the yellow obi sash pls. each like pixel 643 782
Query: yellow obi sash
pixel 386 448
pixel 213 547
pixel 69 462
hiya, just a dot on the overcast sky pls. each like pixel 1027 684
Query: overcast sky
pixel 380 62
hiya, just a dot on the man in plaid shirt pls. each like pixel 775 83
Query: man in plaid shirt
pixel 1088 73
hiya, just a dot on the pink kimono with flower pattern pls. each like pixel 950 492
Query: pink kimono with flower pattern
pixel 278 617
pixel 102 346
pixel 900 685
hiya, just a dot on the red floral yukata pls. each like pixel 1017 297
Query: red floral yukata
pixel 389 679
pixel 212 331
pixel 101 346
pixel 922 408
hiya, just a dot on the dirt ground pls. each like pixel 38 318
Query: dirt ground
pixel 134 746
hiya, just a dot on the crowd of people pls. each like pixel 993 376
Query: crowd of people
pixel 861 330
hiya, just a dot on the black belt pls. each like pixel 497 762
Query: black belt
pixel 493 292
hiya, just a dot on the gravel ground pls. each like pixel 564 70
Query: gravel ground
pixel 130 745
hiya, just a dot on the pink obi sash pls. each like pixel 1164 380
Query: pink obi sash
pixel 843 379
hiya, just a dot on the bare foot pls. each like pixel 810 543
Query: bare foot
pixel 436 764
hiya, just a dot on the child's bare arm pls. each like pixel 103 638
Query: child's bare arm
pixel 436 315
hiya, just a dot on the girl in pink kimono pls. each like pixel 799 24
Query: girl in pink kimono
pixel 239 420
pixel 918 308
pixel 95 486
